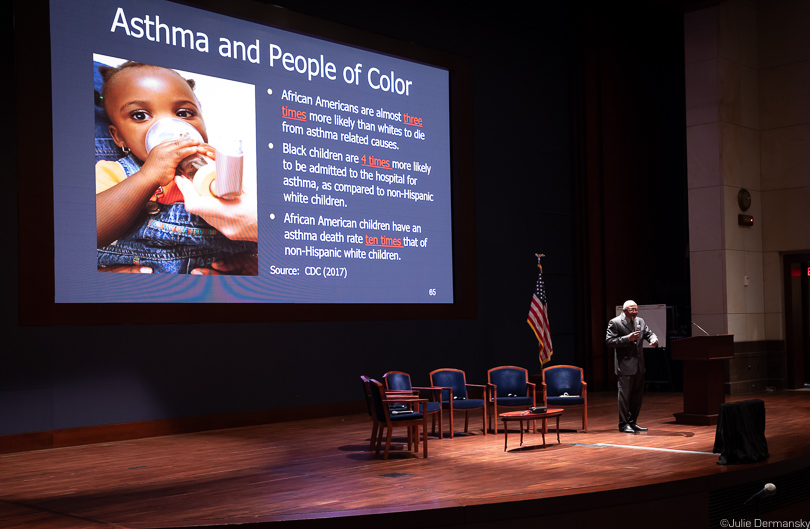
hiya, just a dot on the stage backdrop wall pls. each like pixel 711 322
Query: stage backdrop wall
pixel 72 376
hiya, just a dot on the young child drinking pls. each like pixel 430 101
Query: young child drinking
pixel 141 220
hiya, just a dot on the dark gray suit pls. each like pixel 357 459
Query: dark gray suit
pixel 628 364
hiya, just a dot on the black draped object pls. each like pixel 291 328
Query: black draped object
pixel 740 436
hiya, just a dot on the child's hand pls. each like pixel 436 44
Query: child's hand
pixel 160 166
pixel 126 269
pixel 236 264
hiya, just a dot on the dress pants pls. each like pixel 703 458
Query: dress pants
pixel 631 390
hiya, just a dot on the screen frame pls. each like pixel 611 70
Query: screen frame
pixel 34 170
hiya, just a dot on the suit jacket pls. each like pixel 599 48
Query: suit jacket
pixel 628 357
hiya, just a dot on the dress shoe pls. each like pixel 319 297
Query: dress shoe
pixel 637 428
pixel 626 429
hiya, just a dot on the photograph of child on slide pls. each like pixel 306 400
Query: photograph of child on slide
pixel 167 200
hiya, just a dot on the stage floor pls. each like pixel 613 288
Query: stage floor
pixel 321 469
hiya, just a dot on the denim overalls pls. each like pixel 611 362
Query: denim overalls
pixel 171 241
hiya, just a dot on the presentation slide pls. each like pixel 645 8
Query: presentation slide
pixel 199 158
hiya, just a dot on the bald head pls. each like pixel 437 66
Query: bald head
pixel 630 309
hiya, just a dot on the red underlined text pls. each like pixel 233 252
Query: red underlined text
pixel 411 120
pixel 290 113
pixel 382 240
pixel 379 163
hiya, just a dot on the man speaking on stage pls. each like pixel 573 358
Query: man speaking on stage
pixel 626 334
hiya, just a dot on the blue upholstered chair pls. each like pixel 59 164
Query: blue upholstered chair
pixel 387 417
pixel 453 383
pixel 565 386
pixel 509 387
pixel 399 382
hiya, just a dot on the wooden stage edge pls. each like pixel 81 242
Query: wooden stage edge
pixel 319 473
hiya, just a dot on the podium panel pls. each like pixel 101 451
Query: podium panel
pixel 703 391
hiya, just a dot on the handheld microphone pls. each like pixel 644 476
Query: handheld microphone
pixel 768 490
pixel 638 328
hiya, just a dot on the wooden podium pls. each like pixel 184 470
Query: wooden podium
pixel 703 384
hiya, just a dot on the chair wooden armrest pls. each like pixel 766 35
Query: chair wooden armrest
pixel 449 392
pixel 403 397
pixel 406 400
pixel 480 387
pixel 402 392
pixel 436 392
pixel 492 391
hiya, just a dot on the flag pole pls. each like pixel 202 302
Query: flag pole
pixel 538 316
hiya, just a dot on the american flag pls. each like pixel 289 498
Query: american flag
pixel 538 317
